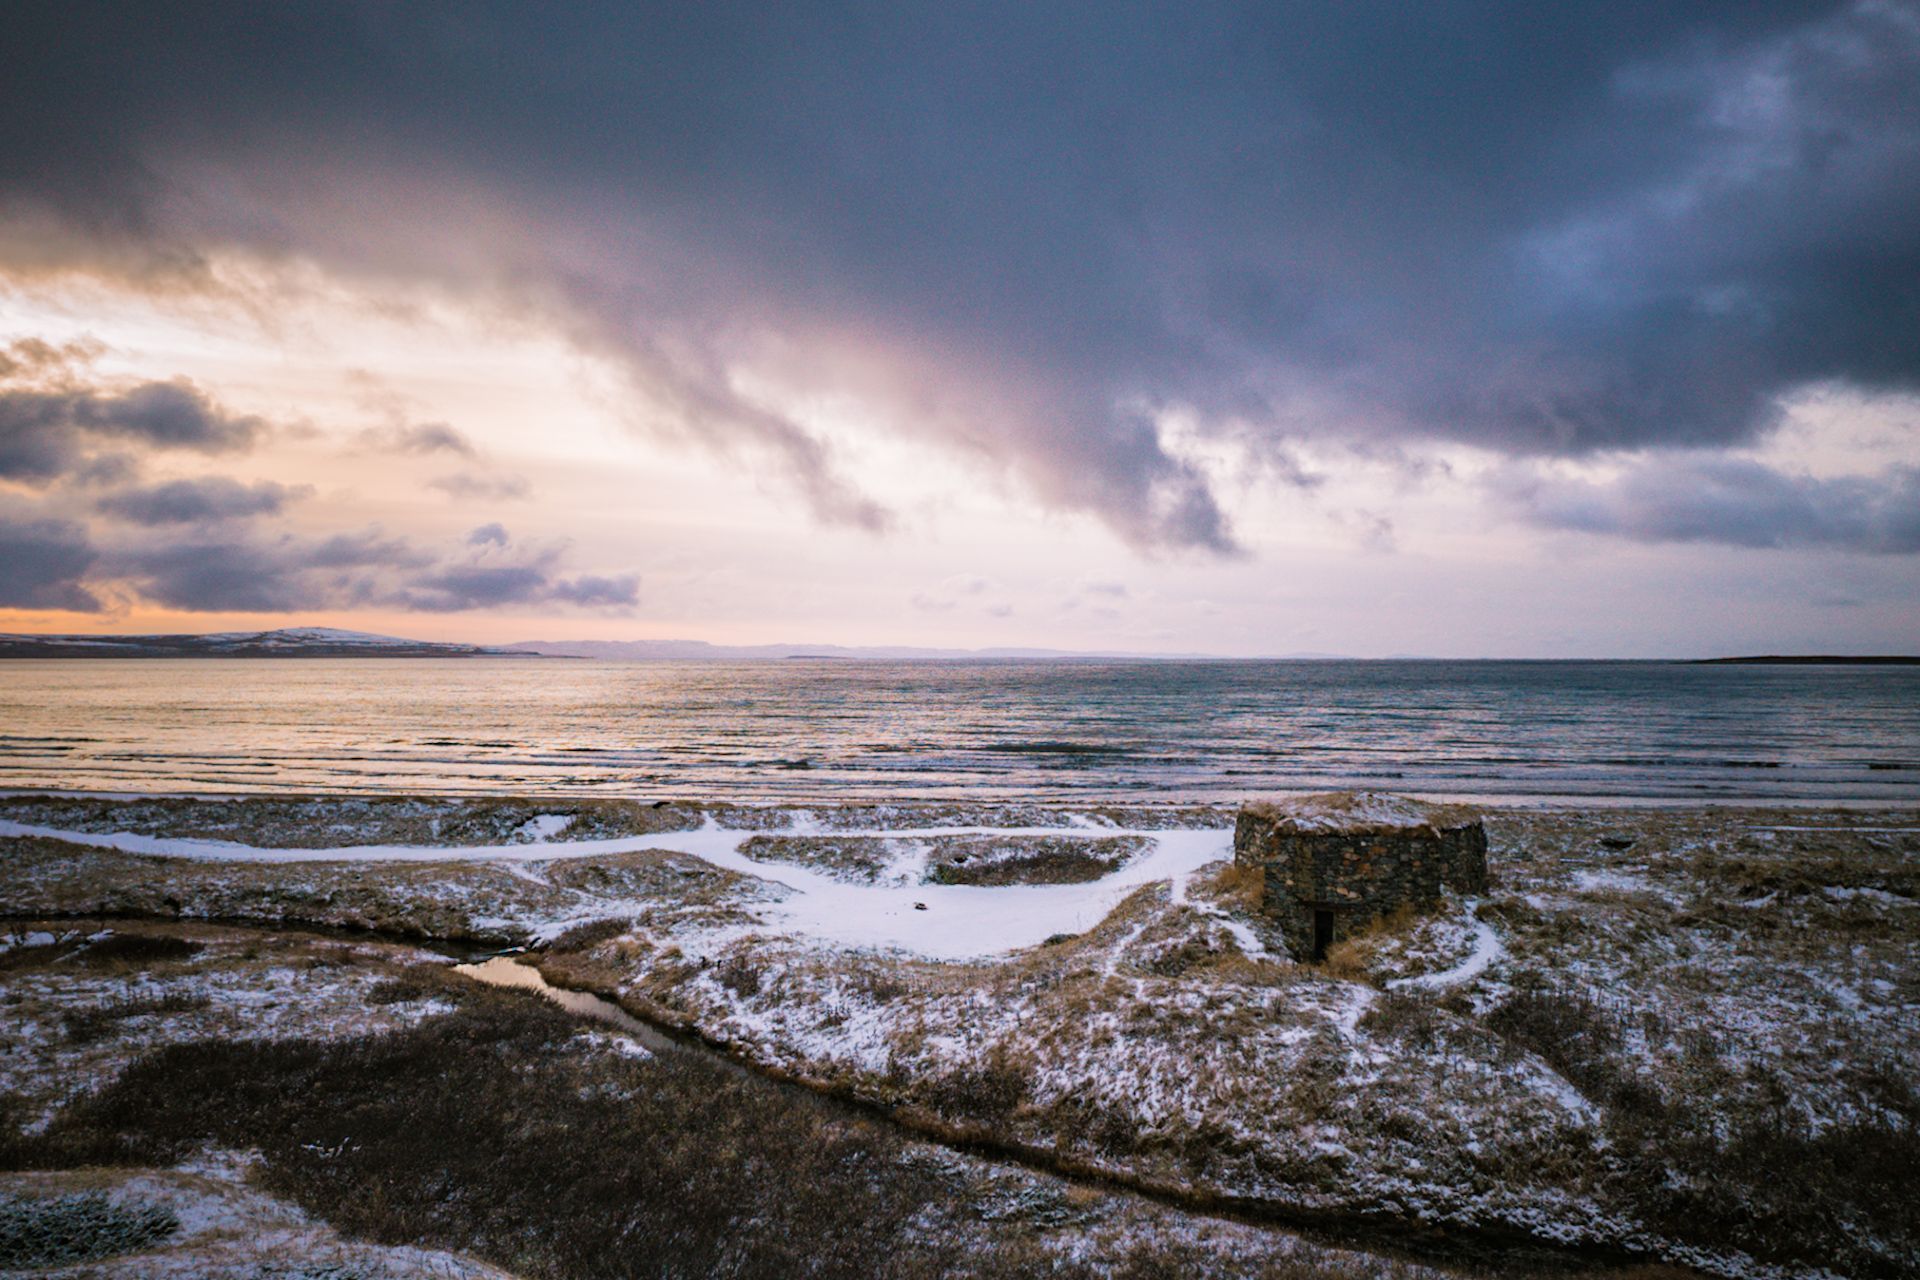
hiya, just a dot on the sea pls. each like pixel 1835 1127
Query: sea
pixel 850 731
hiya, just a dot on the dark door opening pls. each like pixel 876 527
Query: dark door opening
pixel 1322 933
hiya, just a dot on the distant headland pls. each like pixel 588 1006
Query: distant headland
pixel 1816 660
pixel 288 642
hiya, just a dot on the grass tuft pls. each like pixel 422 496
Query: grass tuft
pixel 137 950
pixel 83 1026
pixel 585 937
pixel 58 1231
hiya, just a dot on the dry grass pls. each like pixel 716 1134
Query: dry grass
pixel 489 1129
pixel 497 1131
pixel 585 937
pixel 58 1231
pixel 89 1024
pixel 1236 885
pixel 125 949
pixel 1354 956
pixel 73 1025
pixel 861 859
pixel 483 903
pixel 312 822
pixel 1152 1046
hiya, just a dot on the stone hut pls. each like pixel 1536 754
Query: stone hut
pixel 1334 862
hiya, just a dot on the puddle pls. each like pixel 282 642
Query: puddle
pixel 505 971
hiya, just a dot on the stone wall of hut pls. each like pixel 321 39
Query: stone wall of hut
pixel 1355 876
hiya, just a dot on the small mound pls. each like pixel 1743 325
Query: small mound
pixel 996 860
pixel 137 949
pixel 855 859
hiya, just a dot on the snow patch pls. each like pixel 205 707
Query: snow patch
pixel 1620 881
pixel 1486 949
pixel 949 922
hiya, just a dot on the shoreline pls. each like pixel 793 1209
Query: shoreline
pixel 1554 802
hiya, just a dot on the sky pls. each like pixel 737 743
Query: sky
pixel 1252 329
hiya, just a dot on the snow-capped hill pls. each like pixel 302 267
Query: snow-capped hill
pixel 295 636
pixel 286 642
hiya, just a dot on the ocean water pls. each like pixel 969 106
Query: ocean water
pixel 826 730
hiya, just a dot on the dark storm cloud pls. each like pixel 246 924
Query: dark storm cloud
pixel 1541 229
pixel 592 591
pixel 1733 501
pixel 265 574
pixel 44 434
pixel 42 563
pixel 492 586
pixel 501 573
pixel 197 501
pixel 52 416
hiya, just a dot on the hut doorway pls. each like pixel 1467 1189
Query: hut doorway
pixel 1322 932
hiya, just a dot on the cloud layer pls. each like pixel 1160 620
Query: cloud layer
pixel 202 501
pixel 42 563
pixel 1733 501
pixel 1023 235
pixel 74 445
pixel 52 423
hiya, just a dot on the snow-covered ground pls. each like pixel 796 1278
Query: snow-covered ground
pixel 1486 949
pixel 1571 1057
pixel 244 984
pixel 73 1023
pixel 938 920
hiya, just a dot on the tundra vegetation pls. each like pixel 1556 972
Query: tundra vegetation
pixel 1673 1035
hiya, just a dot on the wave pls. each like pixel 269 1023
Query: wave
pixel 1053 747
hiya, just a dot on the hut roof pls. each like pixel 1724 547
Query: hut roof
pixel 1359 812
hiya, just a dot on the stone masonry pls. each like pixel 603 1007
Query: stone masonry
pixel 1333 863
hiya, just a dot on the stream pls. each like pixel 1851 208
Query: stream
pixel 505 971
pixel 1358 1229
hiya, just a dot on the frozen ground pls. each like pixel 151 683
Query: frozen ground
pixel 91 1002
pixel 80 1004
pixel 220 1229
pixel 946 921
pixel 1686 1034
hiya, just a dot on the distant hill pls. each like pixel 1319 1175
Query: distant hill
pixel 1816 660
pixel 701 651
pixel 331 642
pixel 288 642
